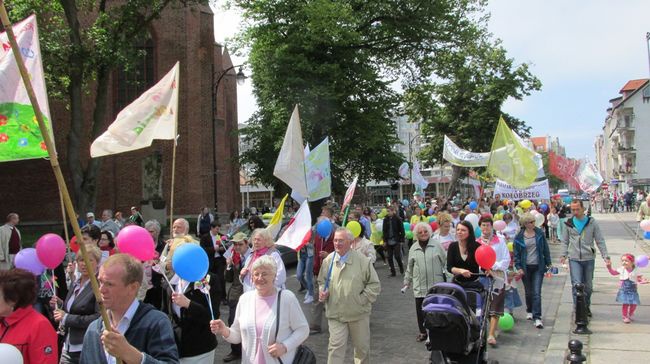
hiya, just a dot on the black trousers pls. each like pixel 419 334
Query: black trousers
pixel 380 251
pixel 420 314
pixel 219 271
pixel 395 251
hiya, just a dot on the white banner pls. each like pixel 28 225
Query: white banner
pixel 536 191
pixel 453 154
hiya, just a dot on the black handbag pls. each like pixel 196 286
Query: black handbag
pixel 304 355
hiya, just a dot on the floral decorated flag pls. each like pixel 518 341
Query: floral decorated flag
pixel 20 136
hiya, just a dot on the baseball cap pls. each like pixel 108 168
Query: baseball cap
pixel 90 214
pixel 239 237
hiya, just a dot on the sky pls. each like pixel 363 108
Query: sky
pixel 583 52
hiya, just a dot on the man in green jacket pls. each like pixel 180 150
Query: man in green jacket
pixel 349 287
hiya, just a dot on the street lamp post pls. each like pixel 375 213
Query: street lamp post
pixel 241 78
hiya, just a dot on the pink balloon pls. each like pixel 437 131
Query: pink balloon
pixel 28 260
pixel 50 249
pixel 499 225
pixel 136 241
pixel 645 225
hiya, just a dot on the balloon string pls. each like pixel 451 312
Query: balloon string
pixel 207 296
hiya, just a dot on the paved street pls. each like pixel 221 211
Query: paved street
pixel 393 326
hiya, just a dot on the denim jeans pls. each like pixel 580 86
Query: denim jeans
pixel 305 272
pixel 533 279
pixel 582 272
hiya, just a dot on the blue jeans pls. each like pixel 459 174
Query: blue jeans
pixel 582 272
pixel 532 279
pixel 305 272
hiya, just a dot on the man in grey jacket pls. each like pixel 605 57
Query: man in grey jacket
pixel 578 237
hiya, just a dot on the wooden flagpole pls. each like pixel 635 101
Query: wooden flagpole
pixel 171 195
pixel 54 161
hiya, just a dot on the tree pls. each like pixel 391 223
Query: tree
pixel 338 61
pixel 83 43
pixel 466 105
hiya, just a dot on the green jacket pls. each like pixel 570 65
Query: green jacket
pixel 354 286
pixel 644 212
pixel 425 267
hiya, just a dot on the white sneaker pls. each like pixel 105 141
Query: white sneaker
pixel 529 316
pixel 539 324
pixel 308 299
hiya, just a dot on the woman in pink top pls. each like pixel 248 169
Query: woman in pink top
pixel 256 319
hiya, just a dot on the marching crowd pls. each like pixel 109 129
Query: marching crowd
pixel 157 317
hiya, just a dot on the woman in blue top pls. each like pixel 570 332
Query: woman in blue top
pixel 532 258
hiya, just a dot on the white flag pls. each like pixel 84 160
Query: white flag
pixel 290 166
pixel 20 136
pixel 294 194
pixel 298 230
pixel 349 193
pixel 151 116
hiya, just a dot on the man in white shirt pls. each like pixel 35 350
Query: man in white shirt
pixel 139 333
pixel 10 243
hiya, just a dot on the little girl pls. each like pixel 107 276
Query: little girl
pixel 627 293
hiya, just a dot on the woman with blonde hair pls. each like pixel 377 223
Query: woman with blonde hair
pixel 445 233
pixel 263 244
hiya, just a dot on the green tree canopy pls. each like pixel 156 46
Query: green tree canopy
pixel 82 43
pixel 338 61
pixel 466 103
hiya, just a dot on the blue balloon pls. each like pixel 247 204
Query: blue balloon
pixel 473 205
pixel 405 202
pixel 567 199
pixel 544 207
pixel 324 228
pixel 407 226
pixel 478 232
pixel 190 262
pixel 646 235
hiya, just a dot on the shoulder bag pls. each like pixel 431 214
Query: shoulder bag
pixel 304 355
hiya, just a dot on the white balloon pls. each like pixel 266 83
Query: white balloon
pixel 539 220
pixel 534 212
pixel 9 354
pixel 379 224
pixel 473 219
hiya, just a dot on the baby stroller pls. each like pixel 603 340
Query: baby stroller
pixel 456 320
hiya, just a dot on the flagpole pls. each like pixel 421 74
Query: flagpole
pixel 171 195
pixel 54 161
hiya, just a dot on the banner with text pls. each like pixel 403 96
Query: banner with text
pixel 536 191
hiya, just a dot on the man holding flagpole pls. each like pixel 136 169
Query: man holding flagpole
pixel 353 287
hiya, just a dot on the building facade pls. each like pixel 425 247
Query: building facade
pixel 143 178
pixel 621 151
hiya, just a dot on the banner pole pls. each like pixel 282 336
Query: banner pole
pixel 171 195
pixel 54 162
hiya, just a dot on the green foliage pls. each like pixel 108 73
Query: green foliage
pixel 82 43
pixel 466 105
pixel 338 60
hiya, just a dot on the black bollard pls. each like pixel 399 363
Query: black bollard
pixel 575 352
pixel 581 311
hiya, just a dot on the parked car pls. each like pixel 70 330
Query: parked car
pixel 289 256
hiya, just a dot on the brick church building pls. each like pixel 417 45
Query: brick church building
pixel 143 178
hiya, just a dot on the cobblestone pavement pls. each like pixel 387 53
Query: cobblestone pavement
pixel 393 325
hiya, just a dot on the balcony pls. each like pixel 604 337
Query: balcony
pixel 625 150
pixel 624 171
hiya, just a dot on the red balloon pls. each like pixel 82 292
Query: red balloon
pixel 485 257
pixel 434 226
pixel 73 244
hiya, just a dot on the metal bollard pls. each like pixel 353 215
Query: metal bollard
pixel 581 311
pixel 575 352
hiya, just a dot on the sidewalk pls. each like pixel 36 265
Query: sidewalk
pixel 612 340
